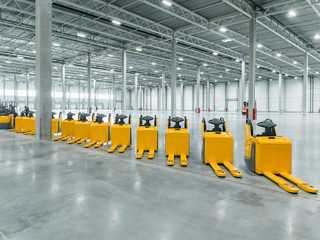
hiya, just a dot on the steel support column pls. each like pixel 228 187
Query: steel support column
pixel 27 89
pixel 226 97
pixel 89 83
pixel 198 90
pixel 208 95
pixel 79 101
pixel 69 97
pixel 63 77
pixel 252 66
pixel 305 84
pixel 241 85
pixel 141 104
pixel 163 93
pixel 182 96
pixel 4 88
pixel 124 81
pixel 281 110
pixel 150 98
pixel 158 98
pixel 214 96
pixel 95 94
pixel 43 65
pixel 268 95
pixel 136 106
pixel 15 90
pixel 174 77
pixel 113 92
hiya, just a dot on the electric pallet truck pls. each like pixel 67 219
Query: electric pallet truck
pixel 147 136
pixel 120 134
pixel 99 131
pixel 55 124
pixel 271 155
pixel 177 141
pixel 81 129
pixel 67 128
pixel 217 147
pixel 29 124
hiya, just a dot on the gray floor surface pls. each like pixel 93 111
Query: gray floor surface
pixel 52 190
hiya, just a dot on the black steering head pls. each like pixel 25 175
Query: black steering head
pixel 30 114
pixel 99 118
pixel 121 118
pixel 217 122
pixel 269 127
pixel 69 116
pixel 83 117
pixel 177 121
pixel 53 113
pixel 147 119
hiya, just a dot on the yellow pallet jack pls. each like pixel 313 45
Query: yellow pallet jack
pixel 67 128
pixel 55 124
pixel 147 136
pixel 120 134
pixel 29 125
pixel 81 129
pixel 99 131
pixel 217 147
pixel 177 141
pixel 271 155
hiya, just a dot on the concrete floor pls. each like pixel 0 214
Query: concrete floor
pixel 51 190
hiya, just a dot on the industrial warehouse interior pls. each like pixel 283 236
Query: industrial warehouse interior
pixel 159 119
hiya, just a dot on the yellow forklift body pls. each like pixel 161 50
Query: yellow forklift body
pixel 121 134
pixel 177 141
pixel 147 138
pixel 29 124
pixel 218 147
pixel 273 154
pixel 99 132
pixel 55 126
pixel 82 129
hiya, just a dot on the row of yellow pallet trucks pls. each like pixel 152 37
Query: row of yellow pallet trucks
pixel 265 154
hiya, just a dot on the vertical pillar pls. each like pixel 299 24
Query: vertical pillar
pixel 43 69
pixel 226 97
pixel 27 89
pixel 268 95
pixel 89 83
pixel 166 98
pixel 53 97
pixel 163 83
pixel 4 88
pixel 214 97
pixel 79 102
pixel 124 81
pixel 208 96
pixel 305 84
pixel 192 98
pixel 15 89
pixel 173 77
pixel 140 105
pixel 69 97
pixel 145 98
pixel 198 91
pixel 182 96
pixel 95 94
pixel 203 97
pixel 252 66
pixel 151 98
pixel 158 98
pixel 241 85
pixel 136 106
pixel 63 77
pixel 280 93
pixel 113 92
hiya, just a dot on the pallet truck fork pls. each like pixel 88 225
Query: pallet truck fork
pixel 147 136
pixel 217 147
pixel 270 155
pixel 81 129
pixel 120 134
pixel 177 141
pixel 99 131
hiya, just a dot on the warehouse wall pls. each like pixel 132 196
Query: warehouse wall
pixel 292 100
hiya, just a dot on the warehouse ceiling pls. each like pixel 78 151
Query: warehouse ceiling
pixel 212 34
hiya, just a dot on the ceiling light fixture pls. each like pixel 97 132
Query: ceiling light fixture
pixel 259 45
pixel 139 49
pixel 237 60
pixel 116 22
pixel 278 54
pixel 153 63
pixel 227 40
pixel 180 59
pixel 167 3
pixel 56 44
pixel 292 13
pixel 205 64
pixel 110 55
pixel 227 70
pixel 81 35
pixel 178 68
pixel 223 29
pixel 215 53
pixel 317 36
pixel 295 62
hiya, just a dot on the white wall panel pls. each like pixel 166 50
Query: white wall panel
pixel 274 96
pixel 188 98
pixel 293 95
pixel 261 95
pixel 220 96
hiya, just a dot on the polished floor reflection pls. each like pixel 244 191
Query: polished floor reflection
pixel 52 190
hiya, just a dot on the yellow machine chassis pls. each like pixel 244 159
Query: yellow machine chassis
pixel 271 157
pixel 147 140
pixel 81 131
pixel 177 144
pixel 120 136
pixel 217 148
pixel 99 133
